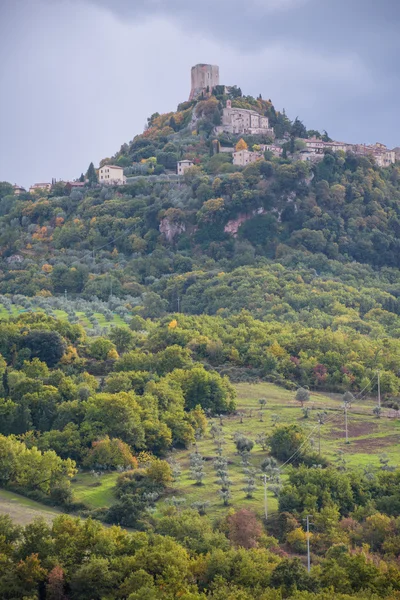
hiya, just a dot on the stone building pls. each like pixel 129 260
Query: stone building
pixel 242 158
pixel 18 189
pixel 183 165
pixel 382 155
pixel 70 185
pixel 242 121
pixel 204 77
pixel 318 146
pixel 40 187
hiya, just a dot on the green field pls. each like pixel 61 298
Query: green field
pixel 116 320
pixel 95 492
pixel 369 438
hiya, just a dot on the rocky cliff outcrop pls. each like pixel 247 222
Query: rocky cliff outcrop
pixel 232 226
pixel 171 228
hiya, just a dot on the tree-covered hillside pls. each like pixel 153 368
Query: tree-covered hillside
pixel 131 318
pixel 304 248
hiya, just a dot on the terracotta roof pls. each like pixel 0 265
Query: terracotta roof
pixel 112 167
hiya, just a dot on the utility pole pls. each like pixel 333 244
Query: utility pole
pixel 321 420
pixel 308 543
pixel 345 422
pixel 179 303
pixel 319 437
pixel 265 496
pixel 379 388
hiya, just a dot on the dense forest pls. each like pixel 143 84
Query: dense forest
pixel 282 271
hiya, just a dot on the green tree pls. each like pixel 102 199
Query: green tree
pixel 101 348
pixel 91 174
pixel 47 346
pixel 290 575
pixel 286 441
pixel 116 415
pixel 122 337
pixel 302 395
pixel 206 389
pixel 93 579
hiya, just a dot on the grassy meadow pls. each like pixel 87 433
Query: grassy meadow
pixel 369 438
pixel 16 309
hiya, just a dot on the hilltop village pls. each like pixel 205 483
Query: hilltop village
pixel 233 122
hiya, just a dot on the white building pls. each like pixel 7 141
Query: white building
pixel 241 158
pixel 112 175
pixel 184 165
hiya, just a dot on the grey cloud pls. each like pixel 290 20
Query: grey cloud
pixel 365 31
pixel 362 25
pixel 332 62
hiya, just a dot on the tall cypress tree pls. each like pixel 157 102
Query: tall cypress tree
pixel 91 174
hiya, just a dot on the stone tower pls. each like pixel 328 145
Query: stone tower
pixel 203 77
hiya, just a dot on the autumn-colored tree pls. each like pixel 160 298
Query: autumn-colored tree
pixel 241 145
pixel 112 354
pixel 244 528
pixel 55 584
pixel 110 454
pixel 160 472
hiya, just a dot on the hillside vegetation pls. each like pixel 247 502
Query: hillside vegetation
pixel 180 358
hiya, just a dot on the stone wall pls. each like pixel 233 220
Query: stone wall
pixel 203 77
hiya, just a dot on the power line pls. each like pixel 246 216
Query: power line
pixel 379 388
pixel 290 459
pixel 358 396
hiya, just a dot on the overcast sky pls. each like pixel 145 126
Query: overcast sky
pixel 80 77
